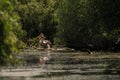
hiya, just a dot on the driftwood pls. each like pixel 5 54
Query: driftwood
pixel 34 43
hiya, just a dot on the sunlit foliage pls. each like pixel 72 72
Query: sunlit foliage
pixel 10 30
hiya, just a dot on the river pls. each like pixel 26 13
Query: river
pixel 64 65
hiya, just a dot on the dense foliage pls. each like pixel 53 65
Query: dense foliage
pixel 36 17
pixel 92 24
pixel 10 31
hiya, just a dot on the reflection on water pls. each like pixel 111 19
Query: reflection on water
pixel 65 66
pixel 69 77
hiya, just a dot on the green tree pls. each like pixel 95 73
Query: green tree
pixel 73 22
pixel 105 15
pixel 89 23
pixel 37 16
pixel 9 27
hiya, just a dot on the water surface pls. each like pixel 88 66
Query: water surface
pixel 64 66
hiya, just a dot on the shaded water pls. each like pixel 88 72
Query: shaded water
pixel 65 66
